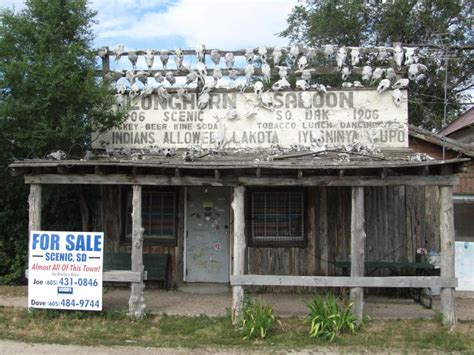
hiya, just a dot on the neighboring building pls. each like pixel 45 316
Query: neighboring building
pixel 432 145
pixel 462 128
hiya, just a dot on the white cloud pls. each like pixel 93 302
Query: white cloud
pixel 225 24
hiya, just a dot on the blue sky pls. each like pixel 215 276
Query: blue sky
pixel 169 24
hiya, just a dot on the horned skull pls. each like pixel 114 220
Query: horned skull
pixel 149 58
pixel 258 88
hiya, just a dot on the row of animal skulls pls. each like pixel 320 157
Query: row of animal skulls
pixel 299 55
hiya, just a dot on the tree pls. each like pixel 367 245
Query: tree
pixel 441 28
pixel 50 99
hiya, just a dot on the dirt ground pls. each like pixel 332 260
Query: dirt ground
pixel 216 302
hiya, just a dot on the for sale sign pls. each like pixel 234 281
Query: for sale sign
pixel 65 270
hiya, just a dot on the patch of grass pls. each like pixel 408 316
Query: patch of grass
pixel 116 328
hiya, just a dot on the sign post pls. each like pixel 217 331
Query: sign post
pixel 65 270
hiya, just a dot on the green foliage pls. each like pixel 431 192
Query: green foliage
pixel 434 24
pixel 327 318
pixel 50 99
pixel 257 319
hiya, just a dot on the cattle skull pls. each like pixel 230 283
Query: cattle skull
pixel 302 85
pixel 267 72
pixel 215 56
pixel 346 71
pixel 149 58
pixel 249 56
pixel 178 58
pixel 262 52
pixel 277 54
pixel 200 52
pixel 398 56
pixel 401 84
pixel 355 56
pixel 366 73
pixel 383 85
pixel 133 57
pixel 164 57
pixel 341 56
pixel 306 75
pixel 281 84
pixel 217 73
pixel 229 59
pixel 302 62
pixel 169 76
pixel 258 88
pixel 397 97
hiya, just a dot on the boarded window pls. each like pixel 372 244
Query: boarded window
pixel 276 219
pixel 158 216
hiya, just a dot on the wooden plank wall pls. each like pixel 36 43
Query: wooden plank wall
pixel 111 217
pixel 398 221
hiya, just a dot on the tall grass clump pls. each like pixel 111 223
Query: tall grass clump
pixel 329 316
pixel 257 319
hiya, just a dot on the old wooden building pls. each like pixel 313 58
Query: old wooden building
pixel 293 189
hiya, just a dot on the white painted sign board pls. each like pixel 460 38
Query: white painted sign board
pixel 235 121
pixel 464 265
pixel 65 270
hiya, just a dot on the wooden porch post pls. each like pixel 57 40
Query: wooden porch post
pixel 238 204
pixel 34 212
pixel 136 303
pixel 447 253
pixel 357 249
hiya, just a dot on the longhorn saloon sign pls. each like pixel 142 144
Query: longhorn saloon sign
pixel 235 120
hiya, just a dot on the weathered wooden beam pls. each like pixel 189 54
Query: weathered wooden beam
pixel 238 204
pixel 446 224
pixel 323 232
pixel 343 281
pixel 121 276
pixel 122 179
pixel 34 211
pixel 358 237
pixel 136 303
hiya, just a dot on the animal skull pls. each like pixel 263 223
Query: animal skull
pixel 178 58
pixel 398 56
pixel 306 75
pixel 346 71
pixel 302 85
pixel 328 50
pixel 133 57
pixel 262 52
pixel 201 68
pixel 249 56
pixel 159 77
pixel 366 73
pixel 164 56
pixel 217 74
pixel 281 84
pixel 229 59
pixel 383 85
pixel 355 56
pixel 397 97
pixel 277 54
pixel 169 76
pixel 258 88
pixel 401 84
pixel 267 72
pixel 200 53
pixel 215 56
pixel 341 56
pixel 149 58
pixel 302 62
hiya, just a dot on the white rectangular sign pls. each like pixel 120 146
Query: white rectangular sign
pixel 464 267
pixel 236 120
pixel 65 270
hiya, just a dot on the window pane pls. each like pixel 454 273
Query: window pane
pixel 277 218
pixel 158 215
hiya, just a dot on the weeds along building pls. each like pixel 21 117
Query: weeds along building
pixel 241 168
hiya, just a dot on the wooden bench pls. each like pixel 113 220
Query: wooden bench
pixel 423 296
pixel 156 265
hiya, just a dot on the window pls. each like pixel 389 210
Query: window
pixel 276 218
pixel 158 216
pixel 463 218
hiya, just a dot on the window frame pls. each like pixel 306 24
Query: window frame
pixel 290 242
pixel 150 240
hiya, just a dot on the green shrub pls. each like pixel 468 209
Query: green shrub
pixel 257 319
pixel 327 317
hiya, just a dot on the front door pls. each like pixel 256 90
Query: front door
pixel 207 235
